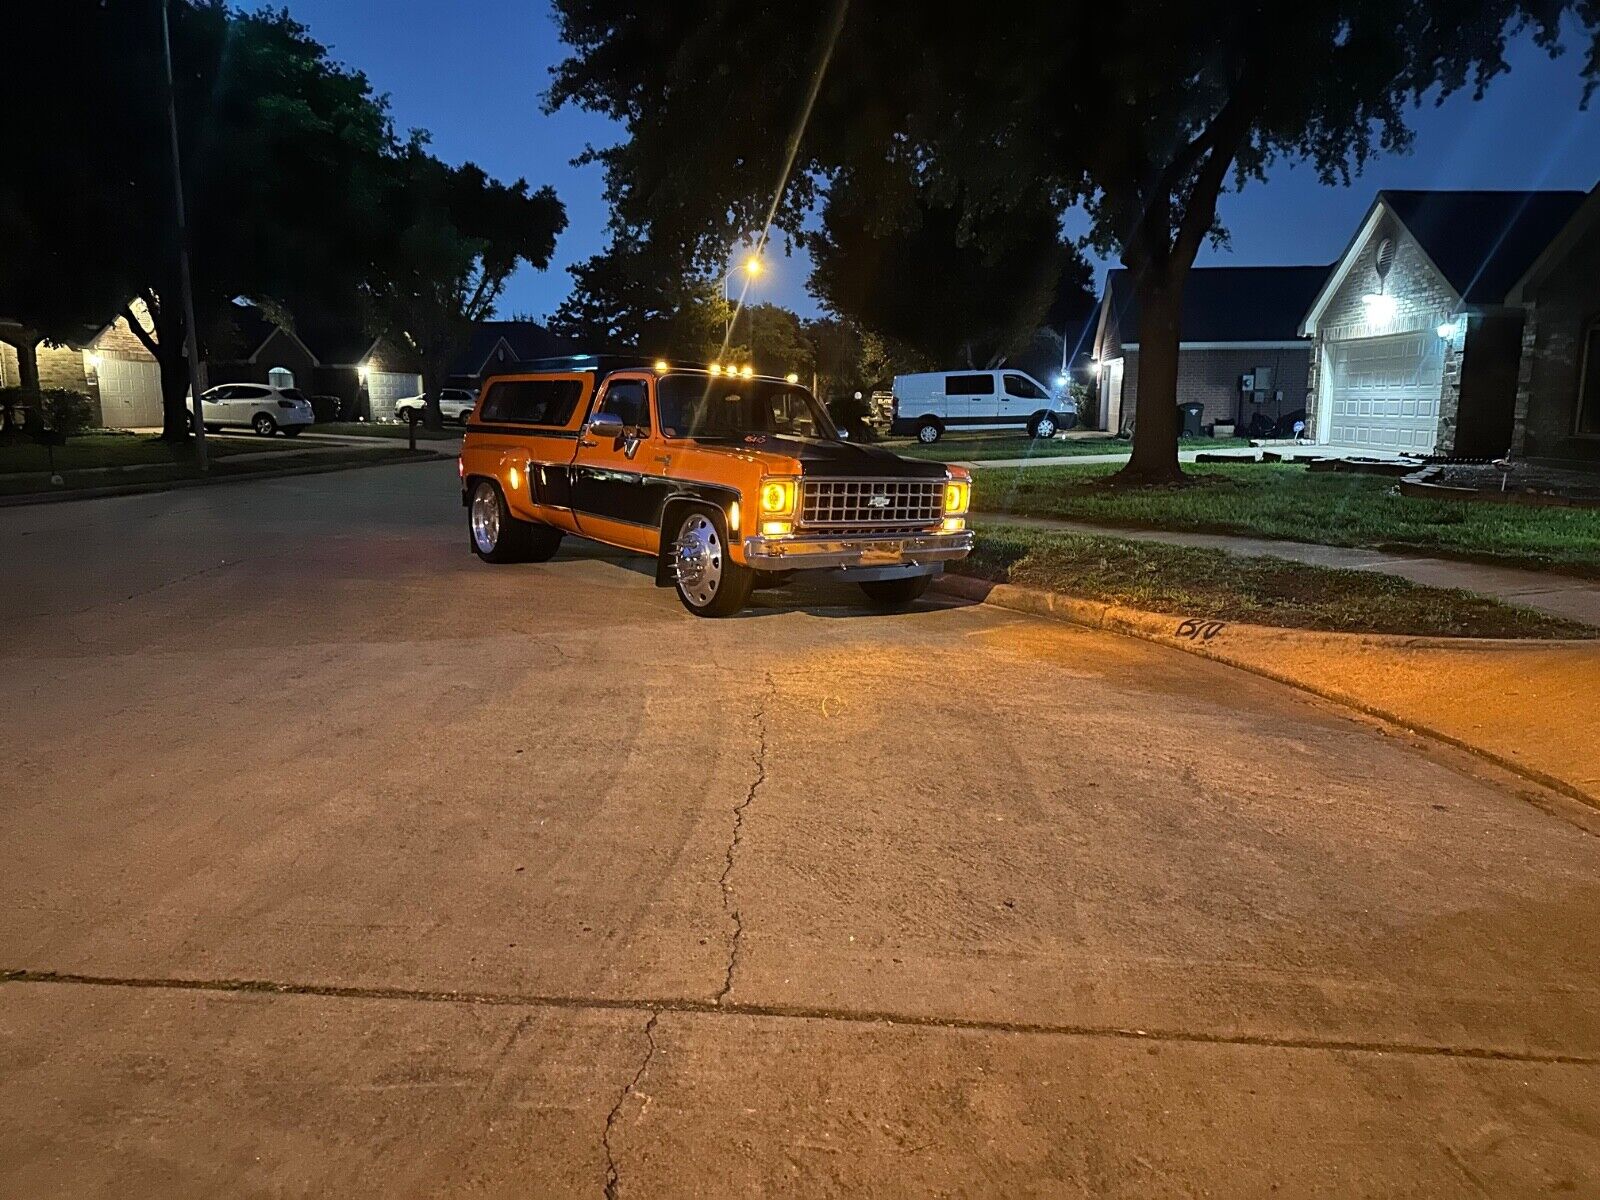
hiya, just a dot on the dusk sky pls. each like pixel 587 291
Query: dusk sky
pixel 472 73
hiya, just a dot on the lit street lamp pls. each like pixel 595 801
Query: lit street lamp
pixel 752 267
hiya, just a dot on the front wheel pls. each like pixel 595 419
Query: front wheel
pixel 709 583
pixel 264 425
pixel 891 594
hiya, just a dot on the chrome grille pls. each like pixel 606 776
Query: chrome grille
pixel 871 505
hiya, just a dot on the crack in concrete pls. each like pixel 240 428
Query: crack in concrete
pixel 759 719
pixel 802 1012
pixel 612 1178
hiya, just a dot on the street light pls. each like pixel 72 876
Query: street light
pixel 752 267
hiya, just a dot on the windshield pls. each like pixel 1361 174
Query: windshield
pixel 694 406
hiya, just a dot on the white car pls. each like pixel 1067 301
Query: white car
pixel 455 404
pixel 258 406
pixel 928 404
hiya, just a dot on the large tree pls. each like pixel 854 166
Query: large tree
pixel 455 238
pixel 1141 112
pixel 922 273
pixel 283 153
pixel 632 296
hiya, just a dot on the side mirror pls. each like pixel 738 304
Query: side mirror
pixel 605 425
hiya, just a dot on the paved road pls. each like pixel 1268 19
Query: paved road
pixel 365 869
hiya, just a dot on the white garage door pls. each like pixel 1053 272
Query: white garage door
pixel 385 387
pixel 130 393
pixel 1384 392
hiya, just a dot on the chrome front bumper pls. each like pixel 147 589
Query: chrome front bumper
pixel 799 552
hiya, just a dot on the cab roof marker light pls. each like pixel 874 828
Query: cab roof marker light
pixel 747 371
pixel 791 377
pixel 716 368
pixel 661 364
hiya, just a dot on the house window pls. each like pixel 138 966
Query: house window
pixel 1588 422
pixel 280 377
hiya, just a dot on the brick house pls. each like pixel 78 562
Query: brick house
pixel 1419 330
pixel 110 365
pixel 1240 352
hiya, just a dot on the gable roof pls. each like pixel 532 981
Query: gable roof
pixel 495 343
pixel 1222 304
pixel 1483 242
pixel 1560 246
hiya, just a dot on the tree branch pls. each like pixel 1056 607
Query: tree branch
pixel 147 337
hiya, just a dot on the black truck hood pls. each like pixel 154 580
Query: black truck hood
pixel 825 458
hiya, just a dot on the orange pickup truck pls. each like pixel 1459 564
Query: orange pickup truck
pixel 727 478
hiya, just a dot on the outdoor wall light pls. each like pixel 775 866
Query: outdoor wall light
pixel 1094 366
pixel 363 371
pixel 1379 306
pixel 93 360
pixel 1448 330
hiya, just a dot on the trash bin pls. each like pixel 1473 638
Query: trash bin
pixel 1189 419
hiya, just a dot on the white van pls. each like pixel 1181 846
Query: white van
pixel 930 403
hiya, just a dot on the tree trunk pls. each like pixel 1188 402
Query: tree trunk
pixel 27 347
pixel 1155 431
pixel 176 424
pixel 433 378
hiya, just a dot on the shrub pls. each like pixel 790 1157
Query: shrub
pixel 65 411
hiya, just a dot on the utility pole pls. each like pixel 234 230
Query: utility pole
pixel 197 371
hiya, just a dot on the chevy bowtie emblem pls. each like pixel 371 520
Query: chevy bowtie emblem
pixel 878 500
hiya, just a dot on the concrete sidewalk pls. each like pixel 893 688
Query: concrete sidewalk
pixel 1559 595
pixel 1528 706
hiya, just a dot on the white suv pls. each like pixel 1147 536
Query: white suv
pixel 258 406
pixel 455 404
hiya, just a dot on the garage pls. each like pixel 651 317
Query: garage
pixel 1384 392
pixel 130 393
pixel 385 387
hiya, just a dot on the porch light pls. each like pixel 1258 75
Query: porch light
pixel 1094 365
pixel 1449 329
pixel 93 360
pixel 363 371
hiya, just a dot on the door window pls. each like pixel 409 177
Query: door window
pixel 969 385
pixel 1024 388
pixel 629 402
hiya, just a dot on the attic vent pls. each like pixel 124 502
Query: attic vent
pixel 1385 258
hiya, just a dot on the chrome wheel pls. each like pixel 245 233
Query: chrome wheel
pixel 1046 428
pixel 485 519
pixel 697 560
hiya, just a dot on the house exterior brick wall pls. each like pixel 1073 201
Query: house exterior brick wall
pixel 10 372
pixel 1423 300
pixel 63 367
pixel 1211 378
pixel 279 350
pixel 1560 310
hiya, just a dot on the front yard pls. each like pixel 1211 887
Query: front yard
pixel 90 451
pixel 1281 501
pixel 981 447
pixel 1191 582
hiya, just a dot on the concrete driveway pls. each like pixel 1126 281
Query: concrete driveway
pixel 338 863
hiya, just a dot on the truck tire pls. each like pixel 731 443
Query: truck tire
pixel 889 595
pixel 493 533
pixel 708 581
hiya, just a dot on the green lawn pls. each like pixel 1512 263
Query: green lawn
pixel 1282 501
pixel 1191 582
pixel 384 429
pixel 121 450
pixel 978 447
pixel 176 469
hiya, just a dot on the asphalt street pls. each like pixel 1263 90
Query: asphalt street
pixel 339 863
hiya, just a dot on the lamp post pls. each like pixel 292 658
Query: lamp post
pixel 197 377
pixel 752 267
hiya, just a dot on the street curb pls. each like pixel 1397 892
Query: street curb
pixel 171 485
pixel 1208 638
